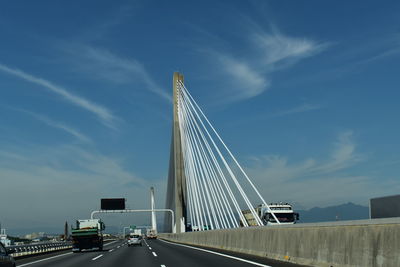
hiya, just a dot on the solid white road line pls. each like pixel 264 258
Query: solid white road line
pixel 95 258
pixel 154 254
pixel 110 243
pixel 219 254
pixel 33 262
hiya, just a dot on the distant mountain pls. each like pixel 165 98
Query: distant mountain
pixel 344 212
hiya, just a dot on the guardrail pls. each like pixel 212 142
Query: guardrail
pixel 38 248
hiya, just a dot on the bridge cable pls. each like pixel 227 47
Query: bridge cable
pixel 207 160
pixel 228 168
pixel 217 185
pixel 232 175
pixel 234 159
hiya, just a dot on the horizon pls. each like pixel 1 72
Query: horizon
pixel 25 231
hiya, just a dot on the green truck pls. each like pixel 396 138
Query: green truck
pixel 88 234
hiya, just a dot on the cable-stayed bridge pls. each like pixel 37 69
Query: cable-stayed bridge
pixel 207 187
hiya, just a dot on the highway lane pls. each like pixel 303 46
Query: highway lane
pixel 153 253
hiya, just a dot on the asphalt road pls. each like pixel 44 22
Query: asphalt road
pixel 153 253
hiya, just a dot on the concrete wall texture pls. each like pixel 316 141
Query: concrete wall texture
pixel 352 243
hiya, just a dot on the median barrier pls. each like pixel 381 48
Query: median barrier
pixel 374 243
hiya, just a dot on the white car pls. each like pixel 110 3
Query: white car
pixel 135 240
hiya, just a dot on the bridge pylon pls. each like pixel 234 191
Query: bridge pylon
pixel 176 191
pixel 153 214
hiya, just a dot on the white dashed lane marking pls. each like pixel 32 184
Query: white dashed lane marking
pixel 154 254
pixel 95 258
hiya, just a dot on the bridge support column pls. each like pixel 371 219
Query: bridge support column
pixel 176 191
pixel 153 214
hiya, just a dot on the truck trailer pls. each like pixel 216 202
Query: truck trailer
pixel 88 234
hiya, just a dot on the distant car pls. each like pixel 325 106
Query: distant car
pixel 5 258
pixel 135 240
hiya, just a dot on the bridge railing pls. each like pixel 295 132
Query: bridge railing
pixel 373 242
pixel 38 248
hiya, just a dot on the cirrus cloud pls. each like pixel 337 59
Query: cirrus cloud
pixel 105 115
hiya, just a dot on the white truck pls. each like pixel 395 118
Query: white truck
pixel 4 238
pixel 282 211
pixel 151 234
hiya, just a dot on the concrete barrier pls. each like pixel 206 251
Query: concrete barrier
pixel 374 243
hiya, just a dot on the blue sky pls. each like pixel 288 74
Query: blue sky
pixel 305 93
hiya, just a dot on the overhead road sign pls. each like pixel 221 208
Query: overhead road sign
pixel 113 203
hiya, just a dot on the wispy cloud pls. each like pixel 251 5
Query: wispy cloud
pixel 101 112
pixel 299 109
pixel 355 55
pixel 277 47
pixel 247 81
pixel 343 156
pixel 315 180
pixel 388 52
pixel 249 75
pixel 107 66
pixel 58 125
pixel 73 178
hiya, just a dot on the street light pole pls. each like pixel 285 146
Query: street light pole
pixel 126 227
